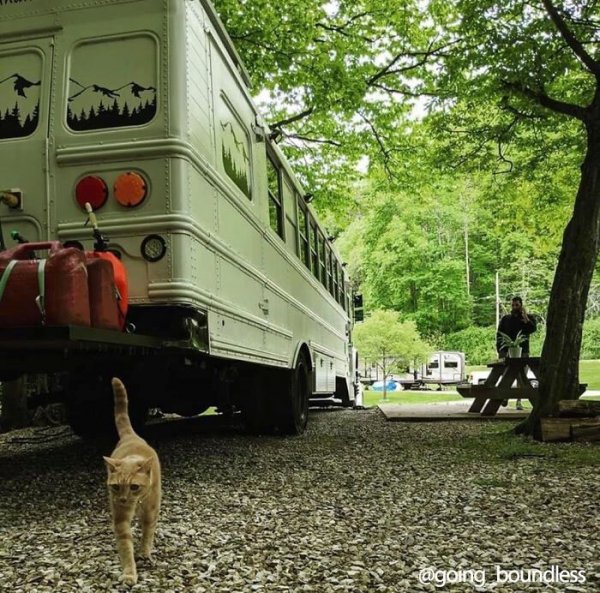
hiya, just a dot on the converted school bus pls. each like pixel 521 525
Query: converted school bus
pixel 236 298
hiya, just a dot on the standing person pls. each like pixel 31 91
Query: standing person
pixel 513 323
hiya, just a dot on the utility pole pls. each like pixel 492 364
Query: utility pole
pixel 467 255
pixel 465 203
pixel 497 298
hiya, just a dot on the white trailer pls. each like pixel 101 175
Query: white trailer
pixel 142 108
pixel 444 368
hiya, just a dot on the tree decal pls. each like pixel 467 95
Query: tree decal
pixel 236 161
pixel 128 105
pixel 19 106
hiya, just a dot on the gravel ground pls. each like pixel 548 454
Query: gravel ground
pixel 356 504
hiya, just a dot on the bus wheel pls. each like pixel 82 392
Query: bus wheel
pixel 293 403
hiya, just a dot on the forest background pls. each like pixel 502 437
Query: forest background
pixel 410 123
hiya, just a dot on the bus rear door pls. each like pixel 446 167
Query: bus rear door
pixel 25 91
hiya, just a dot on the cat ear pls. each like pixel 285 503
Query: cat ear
pixel 111 464
pixel 145 465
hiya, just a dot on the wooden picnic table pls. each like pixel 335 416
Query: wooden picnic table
pixel 498 387
pixel 499 384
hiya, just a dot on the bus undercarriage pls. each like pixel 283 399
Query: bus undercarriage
pixel 171 371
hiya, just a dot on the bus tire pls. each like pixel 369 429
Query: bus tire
pixel 292 406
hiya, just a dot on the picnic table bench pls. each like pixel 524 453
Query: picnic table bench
pixel 498 387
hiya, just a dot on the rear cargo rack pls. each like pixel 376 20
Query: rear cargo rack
pixel 55 349
pixel 73 336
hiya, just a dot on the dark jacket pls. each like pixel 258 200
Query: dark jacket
pixel 511 326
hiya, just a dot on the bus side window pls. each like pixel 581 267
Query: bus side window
pixel 275 209
pixel 314 249
pixel 322 260
pixel 291 224
pixel 303 233
pixel 336 285
pixel 329 270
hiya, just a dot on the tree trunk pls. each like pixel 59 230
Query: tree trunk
pixel 559 368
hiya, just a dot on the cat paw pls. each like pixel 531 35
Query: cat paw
pixel 129 579
pixel 147 557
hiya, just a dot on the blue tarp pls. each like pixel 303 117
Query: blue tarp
pixel 391 385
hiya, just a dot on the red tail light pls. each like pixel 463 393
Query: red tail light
pixel 92 189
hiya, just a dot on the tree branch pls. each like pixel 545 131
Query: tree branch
pixel 314 140
pixel 276 127
pixel 423 55
pixel 341 29
pixel 503 159
pixel 394 91
pixel 384 151
pixel 505 104
pixel 592 65
pixel 545 101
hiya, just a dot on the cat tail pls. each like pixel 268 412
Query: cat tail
pixel 122 421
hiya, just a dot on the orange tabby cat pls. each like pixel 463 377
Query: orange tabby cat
pixel 133 487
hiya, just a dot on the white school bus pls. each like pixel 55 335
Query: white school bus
pixel 141 108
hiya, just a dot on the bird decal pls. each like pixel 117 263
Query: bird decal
pixel 112 94
pixel 106 92
pixel 20 84
pixel 136 88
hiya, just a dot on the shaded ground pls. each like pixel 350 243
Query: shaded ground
pixel 357 504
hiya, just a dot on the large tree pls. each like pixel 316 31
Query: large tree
pixel 581 240
pixel 540 60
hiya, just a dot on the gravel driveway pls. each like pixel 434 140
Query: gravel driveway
pixel 356 504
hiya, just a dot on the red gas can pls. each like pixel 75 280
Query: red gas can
pixel 119 280
pixel 52 291
pixel 104 307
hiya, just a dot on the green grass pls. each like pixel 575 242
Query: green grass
pixel 374 398
pixel 589 372
pixel 480 367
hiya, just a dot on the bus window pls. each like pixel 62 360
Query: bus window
pixel 235 147
pixel 303 233
pixel 275 210
pixel 323 273
pixel 102 96
pixel 314 249
pixel 20 94
pixel 329 270
pixel 336 290
pixel 289 207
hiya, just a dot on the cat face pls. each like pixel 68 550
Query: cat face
pixel 128 479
